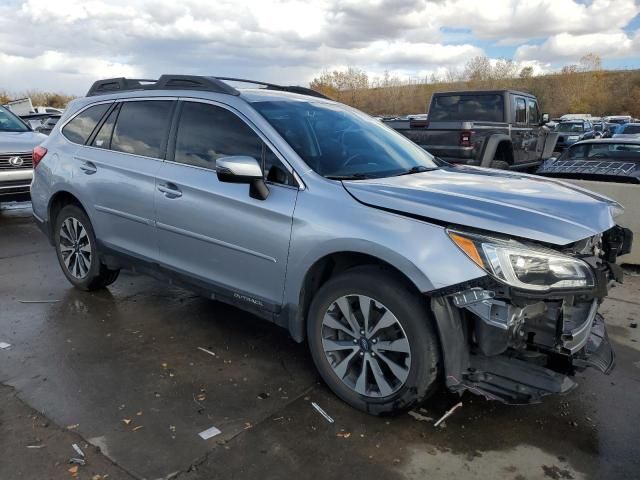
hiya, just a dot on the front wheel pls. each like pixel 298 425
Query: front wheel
pixel 373 341
pixel 77 251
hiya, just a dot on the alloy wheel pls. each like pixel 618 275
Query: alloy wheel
pixel 366 346
pixel 75 247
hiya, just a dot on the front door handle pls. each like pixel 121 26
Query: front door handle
pixel 88 167
pixel 170 190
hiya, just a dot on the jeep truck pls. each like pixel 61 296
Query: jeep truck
pixel 498 129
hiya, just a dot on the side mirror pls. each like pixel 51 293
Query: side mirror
pixel 545 118
pixel 243 169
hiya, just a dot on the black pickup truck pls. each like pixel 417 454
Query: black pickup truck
pixel 497 128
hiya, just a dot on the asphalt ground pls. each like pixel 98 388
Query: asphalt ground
pixel 121 374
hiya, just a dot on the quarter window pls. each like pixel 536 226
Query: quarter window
pixel 521 111
pixel 207 132
pixel 79 129
pixel 141 128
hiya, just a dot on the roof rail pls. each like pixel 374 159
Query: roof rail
pixel 282 88
pixel 165 82
pixel 188 82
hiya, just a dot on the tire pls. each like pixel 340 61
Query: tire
pixel 414 376
pixel 499 165
pixel 79 257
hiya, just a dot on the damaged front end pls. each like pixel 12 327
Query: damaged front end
pixel 521 332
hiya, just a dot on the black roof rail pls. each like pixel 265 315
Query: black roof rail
pixel 282 88
pixel 165 82
pixel 188 82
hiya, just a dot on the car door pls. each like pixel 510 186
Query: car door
pixel 536 135
pixel 214 232
pixel 118 168
pixel 520 130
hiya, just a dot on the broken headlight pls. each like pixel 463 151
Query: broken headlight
pixel 522 266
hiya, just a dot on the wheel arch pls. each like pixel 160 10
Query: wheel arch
pixel 333 263
pixel 56 203
pixel 497 144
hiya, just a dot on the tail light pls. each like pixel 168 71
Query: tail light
pixel 37 155
pixel 465 139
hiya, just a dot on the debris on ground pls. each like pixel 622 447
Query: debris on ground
pixel 201 397
pixel 633 324
pixel 73 471
pixel 448 414
pixel 78 450
pixel 78 461
pixel 36 446
pixel 4 345
pixel 38 301
pixel 73 427
pixel 126 421
pixel 135 429
pixel 207 351
pixel 343 434
pixel 264 396
pixel 209 433
pixel 420 417
pixel 322 412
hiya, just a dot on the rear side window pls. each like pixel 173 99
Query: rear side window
pixel 141 127
pixel 79 129
pixel 482 108
pixel 521 111
pixel 103 137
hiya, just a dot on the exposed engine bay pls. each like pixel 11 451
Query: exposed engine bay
pixel 515 345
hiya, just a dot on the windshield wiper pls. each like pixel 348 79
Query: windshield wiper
pixel 353 176
pixel 416 169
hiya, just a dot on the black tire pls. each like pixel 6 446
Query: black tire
pixel 412 313
pixel 499 164
pixel 97 275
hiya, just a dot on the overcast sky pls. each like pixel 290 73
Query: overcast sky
pixel 64 45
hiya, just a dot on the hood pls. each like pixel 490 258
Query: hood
pixel 20 142
pixel 503 202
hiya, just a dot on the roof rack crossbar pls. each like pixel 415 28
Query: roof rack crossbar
pixel 189 82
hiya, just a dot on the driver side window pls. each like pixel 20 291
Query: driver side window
pixel 207 132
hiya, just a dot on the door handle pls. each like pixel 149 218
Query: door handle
pixel 88 167
pixel 170 190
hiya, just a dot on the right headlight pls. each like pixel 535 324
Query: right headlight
pixel 522 266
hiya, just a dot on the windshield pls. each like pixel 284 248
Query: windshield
pixel 10 123
pixel 629 129
pixel 338 141
pixel 570 127
pixel 481 108
pixel 605 151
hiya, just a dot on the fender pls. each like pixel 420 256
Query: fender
pixel 490 147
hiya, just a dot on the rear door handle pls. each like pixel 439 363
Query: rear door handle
pixel 88 167
pixel 170 190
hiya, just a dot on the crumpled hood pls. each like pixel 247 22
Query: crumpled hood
pixel 503 202
pixel 20 142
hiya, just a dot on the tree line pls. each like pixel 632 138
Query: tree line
pixel 584 87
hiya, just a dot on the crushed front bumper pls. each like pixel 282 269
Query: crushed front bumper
pixel 519 354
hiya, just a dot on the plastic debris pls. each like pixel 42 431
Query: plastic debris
pixel 343 434
pixel 78 450
pixel 207 351
pixel 73 471
pixel 264 396
pixel 633 324
pixel 73 427
pixel 209 433
pixel 448 414
pixel 135 429
pixel 420 417
pixel 4 345
pixel 126 421
pixel 36 446
pixel 78 461
pixel 322 412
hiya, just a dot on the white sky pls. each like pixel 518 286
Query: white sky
pixel 64 45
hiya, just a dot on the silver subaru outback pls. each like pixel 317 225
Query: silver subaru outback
pixel 400 271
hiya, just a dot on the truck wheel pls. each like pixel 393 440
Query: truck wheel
pixel 373 342
pixel 499 165
pixel 77 251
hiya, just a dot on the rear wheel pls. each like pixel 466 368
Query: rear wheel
pixel 373 342
pixel 499 164
pixel 76 247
